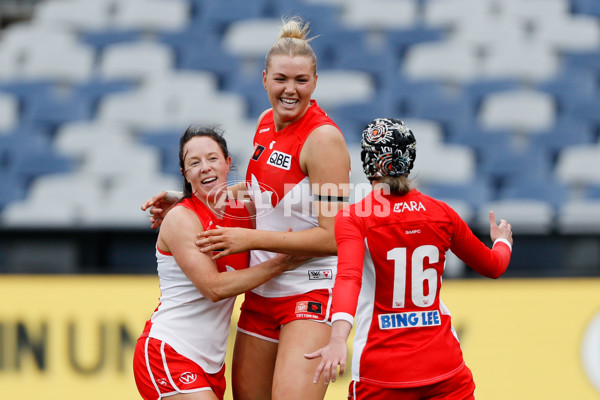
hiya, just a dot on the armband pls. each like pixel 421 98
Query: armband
pixel 331 199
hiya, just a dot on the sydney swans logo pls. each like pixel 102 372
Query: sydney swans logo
pixel 227 203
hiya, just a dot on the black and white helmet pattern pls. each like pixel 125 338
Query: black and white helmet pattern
pixel 388 148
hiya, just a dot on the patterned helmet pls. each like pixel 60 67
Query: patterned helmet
pixel 388 148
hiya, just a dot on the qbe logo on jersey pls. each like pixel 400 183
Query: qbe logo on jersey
pixel 280 160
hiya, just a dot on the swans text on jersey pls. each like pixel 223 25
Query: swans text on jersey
pixel 409 319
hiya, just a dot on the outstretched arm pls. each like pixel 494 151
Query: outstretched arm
pixel 333 354
pixel 325 160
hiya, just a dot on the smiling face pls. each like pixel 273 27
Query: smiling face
pixel 205 168
pixel 290 82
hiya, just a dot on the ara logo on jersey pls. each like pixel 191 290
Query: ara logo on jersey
pixel 409 206
pixel 280 160
pixel 258 150
pixel 320 274
pixel 409 320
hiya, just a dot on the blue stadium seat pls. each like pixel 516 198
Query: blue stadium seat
pixel 253 91
pixel 585 108
pixel 95 89
pixel 400 40
pixel 504 162
pixel 475 193
pixel 27 89
pixel 167 142
pixel 567 131
pixel 476 90
pixel 101 39
pixel 22 138
pixel 450 110
pixel 323 17
pixel 538 187
pixel 13 188
pixel 53 107
pixel 589 7
pixel 32 163
pixel 353 117
pixel 209 55
pixel 380 63
pixel 572 84
pixel 218 14
pixel 478 138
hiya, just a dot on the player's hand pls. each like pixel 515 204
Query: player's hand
pixel 501 231
pixel 159 205
pixel 288 262
pixel 225 240
pixel 332 355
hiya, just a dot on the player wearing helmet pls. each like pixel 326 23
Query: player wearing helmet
pixel 391 257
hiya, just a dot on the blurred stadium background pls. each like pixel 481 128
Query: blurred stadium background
pixel 503 96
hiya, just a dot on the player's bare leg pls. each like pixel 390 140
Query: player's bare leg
pixel 293 378
pixel 252 367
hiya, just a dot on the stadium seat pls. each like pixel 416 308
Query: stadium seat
pixel 34 162
pixel 56 106
pixel 476 90
pixel 451 63
pixel 535 187
pixel 379 15
pixel 449 14
pixel 509 160
pixel 448 163
pixel 136 61
pixel 207 54
pixel 79 139
pixel 568 33
pixel 100 40
pixel 585 107
pixel 526 216
pixel 9 111
pixel 338 87
pixel 524 61
pixel 449 108
pixel 517 110
pixel 251 88
pixel 587 7
pixel 570 85
pixel 567 131
pixel 134 161
pixel 219 15
pixel 400 40
pixel 20 41
pixel 579 166
pixel 322 17
pixel 250 39
pixel 13 188
pixel 580 217
pixel 76 15
pixel 473 193
pixel 357 58
pixel 152 16
pixel 121 204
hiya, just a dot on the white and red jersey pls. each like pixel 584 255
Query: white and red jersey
pixel 194 326
pixel 391 253
pixel 283 198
